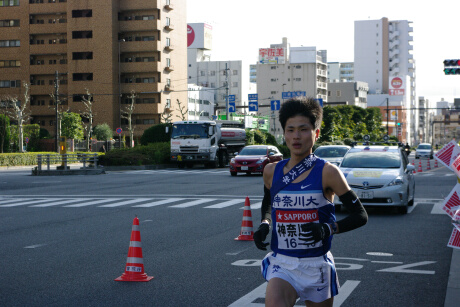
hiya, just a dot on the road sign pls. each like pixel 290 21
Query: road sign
pixel 366 137
pixel 214 117
pixel 320 100
pixel 119 130
pixel 287 95
pixel 275 105
pixel 27 140
pixel 253 97
pixel 231 107
pixel 231 98
pixel 386 137
pixel 253 106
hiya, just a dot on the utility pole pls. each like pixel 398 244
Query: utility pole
pixel 56 101
pixel 226 90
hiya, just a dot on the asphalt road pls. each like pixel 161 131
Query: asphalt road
pixel 65 239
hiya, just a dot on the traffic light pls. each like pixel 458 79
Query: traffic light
pixel 452 67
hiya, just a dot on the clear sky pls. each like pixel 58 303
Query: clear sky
pixel 241 27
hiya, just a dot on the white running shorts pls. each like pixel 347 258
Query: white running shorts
pixel 315 278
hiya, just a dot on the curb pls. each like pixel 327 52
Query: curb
pixel 453 284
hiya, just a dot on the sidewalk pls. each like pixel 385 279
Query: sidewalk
pixel 453 284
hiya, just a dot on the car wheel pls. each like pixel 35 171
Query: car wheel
pixel 233 173
pixel 402 209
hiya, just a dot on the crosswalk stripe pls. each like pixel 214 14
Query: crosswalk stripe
pixel 159 202
pixel 35 201
pixel 90 203
pixel 3 201
pixel 225 204
pixel 193 203
pixel 127 202
pixel 256 206
pixel 50 204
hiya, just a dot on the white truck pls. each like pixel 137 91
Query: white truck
pixel 207 142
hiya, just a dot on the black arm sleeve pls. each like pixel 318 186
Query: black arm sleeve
pixel 358 215
pixel 266 210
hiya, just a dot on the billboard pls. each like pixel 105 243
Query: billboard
pixel 272 55
pixel 397 86
pixel 199 35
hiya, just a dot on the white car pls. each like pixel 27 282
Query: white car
pixel 380 176
pixel 424 150
pixel 332 153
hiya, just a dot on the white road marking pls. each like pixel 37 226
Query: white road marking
pixel 90 203
pixel 225 204
pixel 193 203
pixel 35 201
pixel 345 291
pixel 403 268
pixel 158 203
pixel 73 200
pixel 127 202
pixel 8 200
pixel 34 246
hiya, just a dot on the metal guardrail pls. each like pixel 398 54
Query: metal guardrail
pixel 64 159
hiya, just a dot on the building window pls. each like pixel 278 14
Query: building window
pixel 8 83
pixel 297 79
pixel 168 41
pixel 82 55
pixel 273 92
pixel 10 43
pixel 10 2
pixel 9 23
pixel 212 73
pixel 168 21
pixel 235 84
pixel 329 93
pixel 82 34
pixel 82 13
pixel 168 103
pixel 13 63
pixel 82 77
pixel 235 72
pixel 273 67
pixel 339 94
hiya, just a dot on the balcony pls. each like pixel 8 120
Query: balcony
pixel 48 8
pixel 136 5
pixel 168 88
pixel 139 67
pixel 169 68
pixel 169 48
pixel 169 27
pixel 139 46
pixel 169 6
pixel 46 69
pixel 139 87
pixel 48 49
pixel 140 25
pixel 50 28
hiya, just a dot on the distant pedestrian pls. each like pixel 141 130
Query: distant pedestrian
pixel 102 149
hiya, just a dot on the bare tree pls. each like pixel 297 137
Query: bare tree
pixel 88 113
pixel 127 114
pixel 57 103
pixel 19 114
pixel 183 111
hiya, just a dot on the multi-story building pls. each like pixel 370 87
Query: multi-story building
pixel 383 58
pixel 200 103
pixel 282 68
pixel 342 71
pixel 347 93
pixel 110 48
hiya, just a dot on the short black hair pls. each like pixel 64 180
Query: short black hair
pixel 305 106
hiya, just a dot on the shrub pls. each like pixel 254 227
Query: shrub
pixel 156 153
pixel 103 132
pixel 156 134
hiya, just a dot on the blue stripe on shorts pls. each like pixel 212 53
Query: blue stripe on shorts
pixel 265 265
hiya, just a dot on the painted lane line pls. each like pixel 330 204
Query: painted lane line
pixel 437 208
pixel 403 268
pixel 90 203
pixel 345 291
pixel 225 204
pixel 193 203
pixel 127 202
pixel 73 200
pixel 34 246
pixel 256 206
pixel 390 262
pixel 159 203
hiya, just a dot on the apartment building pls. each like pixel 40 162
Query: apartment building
pixel 347 93
pixel 383 57
pixel 282 68
pixel 109 48
pixel 341 71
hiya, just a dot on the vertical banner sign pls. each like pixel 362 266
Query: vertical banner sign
pixel 396 86
pixel 454 239
pixel 448 153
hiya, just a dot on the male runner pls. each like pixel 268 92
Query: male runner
pixel 298 204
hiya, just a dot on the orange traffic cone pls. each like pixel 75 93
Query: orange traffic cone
pixel 413 163
pixel 428 166
pixel 134 269
pixel 419 166
pixel 435 163
pixel 246 226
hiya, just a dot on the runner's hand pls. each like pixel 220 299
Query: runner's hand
pixel 314 232
pixel 260 235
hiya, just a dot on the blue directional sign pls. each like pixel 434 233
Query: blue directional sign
pixel 253 97
pixel 275 105
pixel 253 106
pixel 287 95
pixel 231 107
pixel 231 98
pixel 320 100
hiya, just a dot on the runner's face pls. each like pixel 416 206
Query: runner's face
pixel 300 135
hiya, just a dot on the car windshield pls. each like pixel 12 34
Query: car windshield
pixel 248 151
pixel 190 131
pixel 424 147
pixel 372 159
pixel 330 152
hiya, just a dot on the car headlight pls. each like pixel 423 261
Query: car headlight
pixel 397 181
pixel 232 160
pixel 260 161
